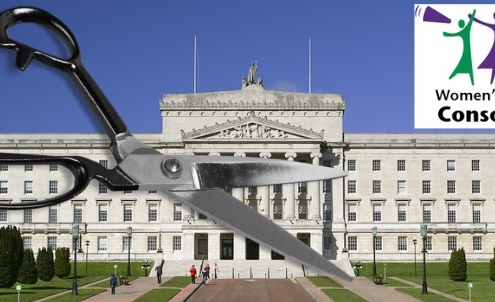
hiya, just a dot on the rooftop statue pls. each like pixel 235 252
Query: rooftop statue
pixel 251 78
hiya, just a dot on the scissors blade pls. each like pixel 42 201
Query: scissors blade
pixel 232 213
pixel 258 172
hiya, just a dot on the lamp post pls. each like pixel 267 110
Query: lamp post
pixel 424 232
pixel 129 233
pixel 87 246
pixel 415 242
pixel 75 236
pixel 375 231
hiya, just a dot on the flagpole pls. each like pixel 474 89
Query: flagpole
pixel 309 66
pixel 195 65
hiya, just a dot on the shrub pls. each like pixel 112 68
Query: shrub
pixel 458 265
pixel 45 265
pixel 62 262
pixel 28 273
pixel 11 254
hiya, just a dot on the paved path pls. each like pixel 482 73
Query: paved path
pixel 431 290
pixel 374 293
pixel 128 293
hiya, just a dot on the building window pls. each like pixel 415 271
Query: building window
pixel 302 188
pixel 378 243
pixel 450 186
pixel 152 243
pixel 102 244
pixel 4 188
pixel 377 212
pixel 103 163
pixel 202 216
pixel 28 216
pixel 53 187
pixel 428 243
pixel 401 212
pixel 102 188
pixel 476 187
pixel 3 215
pixel 27 242
pixel 351 187
pixel 476 213
pixel 426 185
pixel 52 215
pixel 427 213
pixel 401 187
pixel 352 212
pixel 477 244
pixel 51 242
pixel 127 212
pixel 351 165
pixel 28 187
pixel 402 243
pixel 377 186
pixel 252 190
pixel 451 213
pixel 277 209
pixel 53 167
pixel 127 191
pixel 475 165
pixel 277 189
pixel 352 243
pixel 4 167
pixel 303 209
pixel 177 211
pixel 126 243
pixel 327 211
pixel 376 165
pixel 426 165
pixel 177 243
pixel 102 212
pixel 78 213
pixel 28 168
pixel 450 165
pixel 401 165
pixel 327 243
pixel 152 212
pixel 327 187
pixel 452 243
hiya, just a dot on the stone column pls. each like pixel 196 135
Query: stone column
pixel 238 193
pixel 289 193
pixel 264 192
pixel 314 190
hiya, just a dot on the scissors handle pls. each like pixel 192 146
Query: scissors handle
pixel 83 170
pixel 107 115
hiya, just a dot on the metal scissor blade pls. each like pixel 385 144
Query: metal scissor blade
pixel 258 172
pixel 232 213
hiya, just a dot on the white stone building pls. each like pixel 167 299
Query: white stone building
pixel 396 182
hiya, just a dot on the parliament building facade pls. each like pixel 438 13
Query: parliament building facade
pixel 396 182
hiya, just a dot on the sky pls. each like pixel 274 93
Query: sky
pixel 136 51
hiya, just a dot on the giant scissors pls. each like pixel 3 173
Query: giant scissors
pixel 197 181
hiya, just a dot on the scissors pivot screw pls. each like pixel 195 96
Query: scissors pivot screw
pixel 171 167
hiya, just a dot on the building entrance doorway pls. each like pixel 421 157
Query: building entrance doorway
pixel 200 246
pixel 227 246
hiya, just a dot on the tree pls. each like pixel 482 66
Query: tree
pixel 45 265
pixel 28 273
pixel 458 265
pixel 11 255
pixel 492 266
pixel 62 262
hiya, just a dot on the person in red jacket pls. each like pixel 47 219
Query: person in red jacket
pixel 193 273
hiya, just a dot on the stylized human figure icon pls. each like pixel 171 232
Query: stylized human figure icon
pixel 465 64
pixel 489 61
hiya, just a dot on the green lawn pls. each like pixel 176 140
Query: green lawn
pixel 166 291
pixel 437 278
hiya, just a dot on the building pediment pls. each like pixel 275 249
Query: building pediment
pixel 252 127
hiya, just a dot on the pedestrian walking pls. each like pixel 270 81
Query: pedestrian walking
pixel 193 273
pixel 207 268
pixel 113 283
pixel 204 274
pixel 158 270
